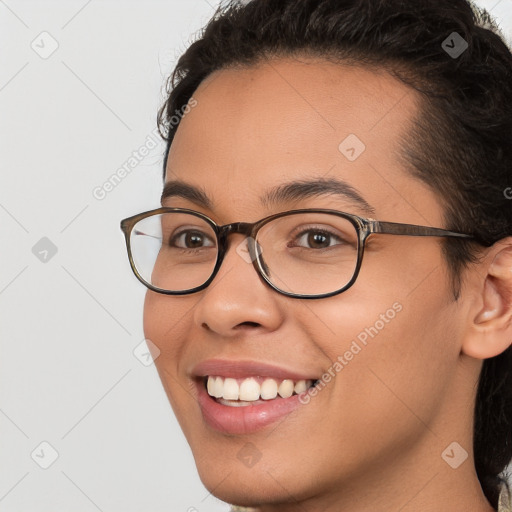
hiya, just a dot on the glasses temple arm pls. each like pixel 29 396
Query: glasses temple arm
pixel 394 228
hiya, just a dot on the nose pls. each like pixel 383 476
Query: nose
pixel 238 297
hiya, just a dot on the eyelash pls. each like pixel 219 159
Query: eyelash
pixel 321 231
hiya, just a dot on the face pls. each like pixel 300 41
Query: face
pixel 394 333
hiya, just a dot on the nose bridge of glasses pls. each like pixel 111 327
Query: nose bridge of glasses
pixel 243 228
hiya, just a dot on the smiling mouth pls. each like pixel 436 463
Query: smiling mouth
pixel 253 390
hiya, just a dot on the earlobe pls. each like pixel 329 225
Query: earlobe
pixel 490 329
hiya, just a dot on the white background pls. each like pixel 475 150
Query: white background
pixel 68 326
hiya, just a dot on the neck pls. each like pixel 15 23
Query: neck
pixel 422 481
pixel 435 493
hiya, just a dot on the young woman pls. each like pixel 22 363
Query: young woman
pixel 330 274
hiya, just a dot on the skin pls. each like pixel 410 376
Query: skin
pixel 372 439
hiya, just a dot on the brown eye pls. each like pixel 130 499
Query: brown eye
pixel 191 240
pixel 317 239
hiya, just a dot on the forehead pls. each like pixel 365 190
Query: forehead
pixel 255 127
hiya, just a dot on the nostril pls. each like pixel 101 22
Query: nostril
pixel 249 324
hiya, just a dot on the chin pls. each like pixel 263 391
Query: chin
pixel 227 471
pixel 249 488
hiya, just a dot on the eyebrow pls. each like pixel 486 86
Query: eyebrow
pixel 286 192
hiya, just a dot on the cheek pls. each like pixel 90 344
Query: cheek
pixel 165 322
pixel 392 353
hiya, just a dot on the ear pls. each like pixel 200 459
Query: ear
pixel 489 331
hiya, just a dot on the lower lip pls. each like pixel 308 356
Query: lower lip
pixel 246 419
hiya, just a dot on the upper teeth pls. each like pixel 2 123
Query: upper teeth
pixel 252 388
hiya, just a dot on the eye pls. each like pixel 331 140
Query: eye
pixel 192 239
pixel 314 238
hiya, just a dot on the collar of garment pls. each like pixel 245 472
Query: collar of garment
pixel 505 501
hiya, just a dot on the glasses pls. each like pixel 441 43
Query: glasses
pixel 308 253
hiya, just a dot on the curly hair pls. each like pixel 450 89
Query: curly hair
pixel 460 144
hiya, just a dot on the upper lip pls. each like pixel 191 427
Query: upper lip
pixel 243 368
